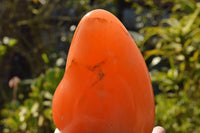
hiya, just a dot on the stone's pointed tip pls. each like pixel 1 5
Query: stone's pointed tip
pixel 100 13
pixel 102 16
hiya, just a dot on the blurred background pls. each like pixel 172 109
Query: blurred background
pixel 35 36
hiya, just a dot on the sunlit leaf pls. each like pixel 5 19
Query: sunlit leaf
pixel 12 42
pixel 41 120
pixel 48 113
pixel 3 50
pixel 191 20
pixel 45 58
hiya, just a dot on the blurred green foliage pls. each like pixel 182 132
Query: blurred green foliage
pixel 167 33
pixel 175 68
pixel 33 114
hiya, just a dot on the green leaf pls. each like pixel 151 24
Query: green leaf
pixel 191 19
pixel 40 121
pixel 48 95
pixel 28 104
pixel 48 113
pixel 150 53
pixel 195 56
pixel 47 103
pixel 12 42
pixel 45 58
pixel 11 123
pixel 3 50
pixel 173 22
pixel 53 78
pixel 149 32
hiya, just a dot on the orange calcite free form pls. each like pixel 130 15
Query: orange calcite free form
pixel 106 87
